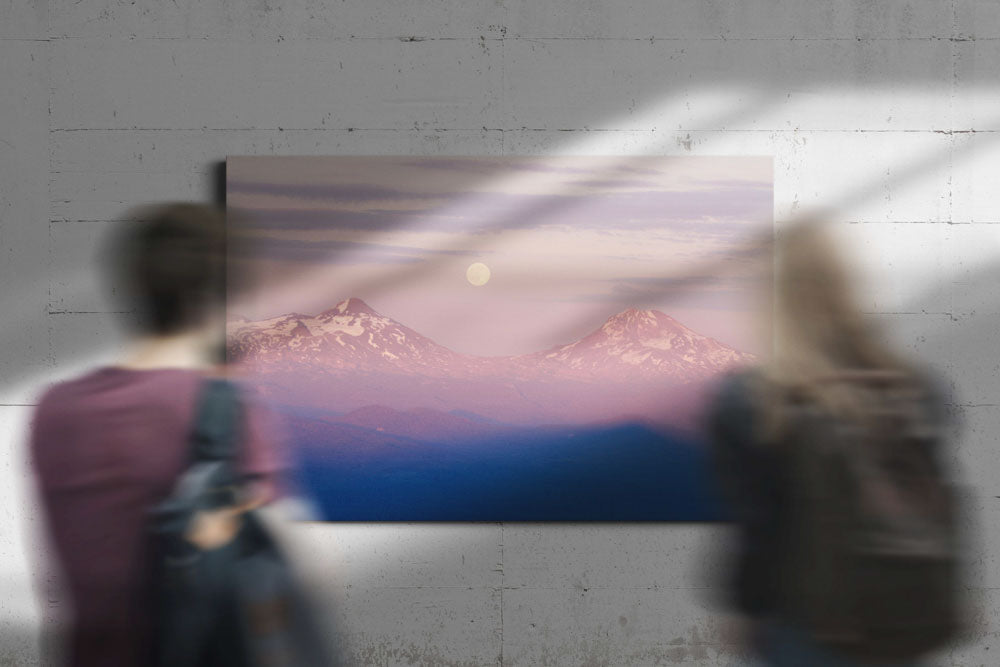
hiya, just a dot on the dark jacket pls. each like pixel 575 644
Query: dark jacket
pixel 756 481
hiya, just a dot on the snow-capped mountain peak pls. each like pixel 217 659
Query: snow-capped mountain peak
pixel 350 337
pixel 643 324
pixel 645 344
pixel 352 306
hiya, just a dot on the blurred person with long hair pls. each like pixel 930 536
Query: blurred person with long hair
pixel 829 453
pixel 109 445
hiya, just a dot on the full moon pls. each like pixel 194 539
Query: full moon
pixel 478 274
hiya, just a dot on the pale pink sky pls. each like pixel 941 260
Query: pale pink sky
pixel 569 242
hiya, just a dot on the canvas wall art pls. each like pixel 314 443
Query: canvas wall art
pixel 498 338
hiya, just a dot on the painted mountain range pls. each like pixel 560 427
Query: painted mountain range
pixel 640 363
pixel 474 412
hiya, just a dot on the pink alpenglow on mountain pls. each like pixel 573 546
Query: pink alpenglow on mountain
pixel 349 337
pixel 642 345
pixel 632 345
pixel 640 362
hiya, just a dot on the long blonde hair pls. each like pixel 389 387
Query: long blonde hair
pixel 820 331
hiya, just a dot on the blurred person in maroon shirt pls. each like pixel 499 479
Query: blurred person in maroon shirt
pixel 109 445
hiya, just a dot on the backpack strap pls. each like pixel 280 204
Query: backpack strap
pixel 215 435
pixel 214 444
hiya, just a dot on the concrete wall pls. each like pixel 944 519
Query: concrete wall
pixel 886 111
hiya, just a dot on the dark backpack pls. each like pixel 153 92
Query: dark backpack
pixel 872 557
pixel 238 605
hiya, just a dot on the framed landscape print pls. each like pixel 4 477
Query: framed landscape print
pixel 499 338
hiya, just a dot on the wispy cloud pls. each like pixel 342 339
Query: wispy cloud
pixel 375 220
pixel 709 297
pixel 735 184
pixel 345 192
pixel 497 166
pixel 625 169
pixel 613 183
pixel 698 211
pixel 341 252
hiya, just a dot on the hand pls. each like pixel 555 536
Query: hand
pixel 211 529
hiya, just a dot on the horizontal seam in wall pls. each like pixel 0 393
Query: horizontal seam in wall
pixel 428 130
pixel 481 37
pixel 874 313
pixel 69 222
pixel 90 312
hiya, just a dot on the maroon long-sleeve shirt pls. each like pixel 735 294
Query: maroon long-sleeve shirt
pixel 106 447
